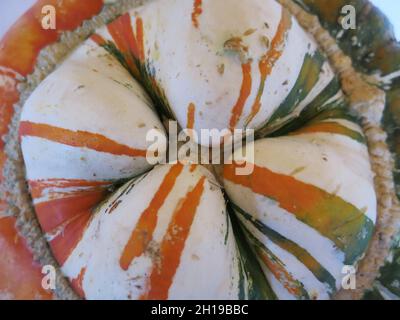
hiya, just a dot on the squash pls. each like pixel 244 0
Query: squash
pixel 285 231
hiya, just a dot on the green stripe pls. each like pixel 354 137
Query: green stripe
pixel 300 253
pixel 333 217
pixel 335 113
pixel 308 77
pixel 242 283
pixel 373 294
pixel 147 73
pixel 338 129
pixel 256 286
pixel 260 247
pixel 327 93
pixel 314 110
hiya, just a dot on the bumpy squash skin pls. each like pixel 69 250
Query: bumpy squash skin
pixel 78 143
pixel 391 61
pixel 67 167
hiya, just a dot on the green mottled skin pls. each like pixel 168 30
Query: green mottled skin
pixel 308 77
pixel 377 49
pixel 315 112
pixel 390 276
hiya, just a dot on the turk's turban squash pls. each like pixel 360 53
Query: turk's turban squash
pixel 120 228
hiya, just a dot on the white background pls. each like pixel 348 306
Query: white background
pixel 10 10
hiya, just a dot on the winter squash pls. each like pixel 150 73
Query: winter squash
pixel 286 230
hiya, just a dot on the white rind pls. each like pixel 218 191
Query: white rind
pixel 208 267
pixel 334 163
pixel 91 92
pixel 186 59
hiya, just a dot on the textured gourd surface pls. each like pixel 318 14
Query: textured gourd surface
pixel 271 237
pixel 303 210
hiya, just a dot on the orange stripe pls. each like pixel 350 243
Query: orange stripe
pixel 197 11
pixel 81 139
pixel 293 195
pixel 77 283
pixel 98 39
pixel 191 116
pixel 329 214
pixel 143 232
pixel 140 38
pixel 65 242
pixel 328 127
pixel 245 91
pixel 173 244
pixel 268 61
pixel 129 35
pixel 118 33
pixel 64 205
pixel 53 213
pixel 3 208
